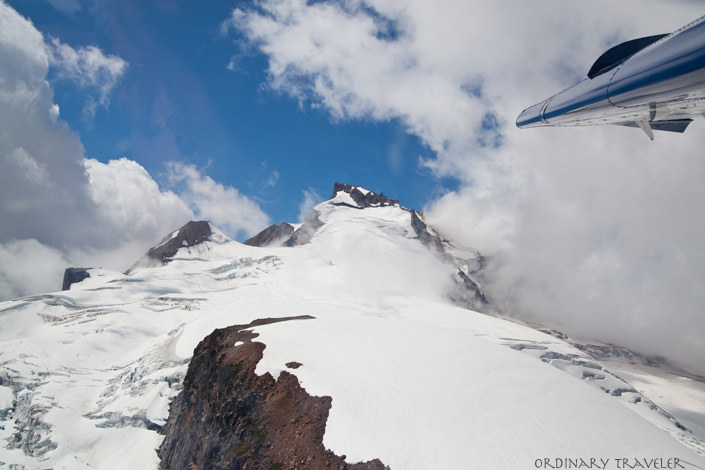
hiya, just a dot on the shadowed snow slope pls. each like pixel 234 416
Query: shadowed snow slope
pixel 87 375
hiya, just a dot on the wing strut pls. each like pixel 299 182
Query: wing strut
pixel 646 127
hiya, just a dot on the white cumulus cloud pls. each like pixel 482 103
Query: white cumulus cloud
pixel 129 203
pixel 23 56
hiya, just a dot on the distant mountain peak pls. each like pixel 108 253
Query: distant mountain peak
pixel 190 241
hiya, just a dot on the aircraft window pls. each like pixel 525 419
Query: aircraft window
pixel 619 53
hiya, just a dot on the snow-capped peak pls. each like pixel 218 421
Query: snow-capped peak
pixel 355 222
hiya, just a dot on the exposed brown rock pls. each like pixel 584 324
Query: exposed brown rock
pixel 193 233
pixel 228 417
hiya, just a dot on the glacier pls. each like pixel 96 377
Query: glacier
pixel 419 379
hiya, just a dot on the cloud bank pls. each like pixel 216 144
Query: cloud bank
pixel 592 230
pixel 59 208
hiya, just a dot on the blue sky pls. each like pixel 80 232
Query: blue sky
pixel 179 101
pixel 121 120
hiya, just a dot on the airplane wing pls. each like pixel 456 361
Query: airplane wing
pixel 654 83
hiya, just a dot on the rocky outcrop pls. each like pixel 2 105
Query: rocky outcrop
pixel 73 276
pixel 193 233
pixel 425 235
pixel 228 417
pixel 272 234
pixel 467 293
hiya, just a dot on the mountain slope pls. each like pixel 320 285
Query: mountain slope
pixel 415 380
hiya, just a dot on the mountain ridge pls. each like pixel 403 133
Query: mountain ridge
pixel 193 237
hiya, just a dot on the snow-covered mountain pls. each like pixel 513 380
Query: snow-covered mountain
pixel 356 327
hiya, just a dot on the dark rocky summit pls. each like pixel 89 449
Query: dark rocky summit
pixel 271 234
pixel 73 276
pixel 228 417
pixel 364 200
pixel 193 233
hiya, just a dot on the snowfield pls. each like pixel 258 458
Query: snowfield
pixel 86 375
